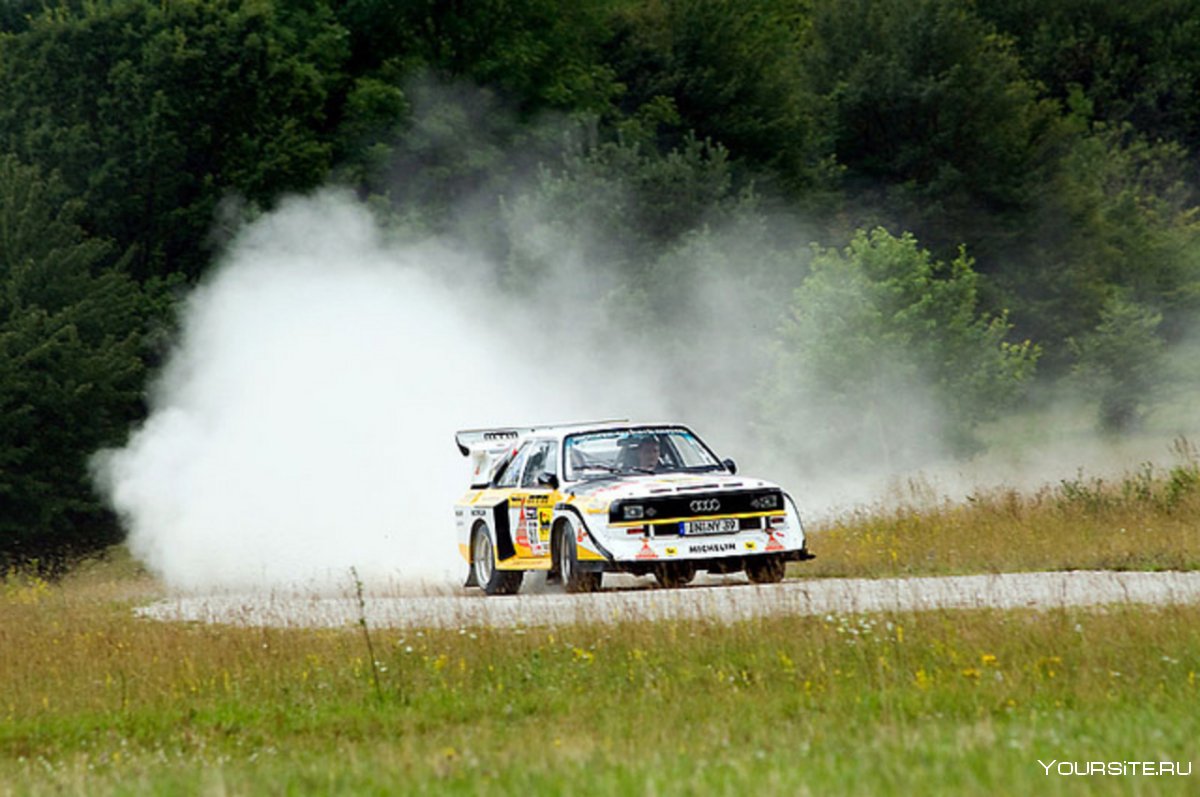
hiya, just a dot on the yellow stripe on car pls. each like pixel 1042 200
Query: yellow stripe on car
pixel 665 521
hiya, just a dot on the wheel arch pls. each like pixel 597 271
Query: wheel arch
pixel 566 512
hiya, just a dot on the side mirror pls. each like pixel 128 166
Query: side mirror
pixel 548 480
pixel 730 466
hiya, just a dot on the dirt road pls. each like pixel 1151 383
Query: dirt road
pixel 730 600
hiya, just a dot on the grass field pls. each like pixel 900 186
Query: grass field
pixel 1148 519
pixel 96 701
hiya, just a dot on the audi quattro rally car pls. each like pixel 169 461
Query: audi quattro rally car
pixel 582 500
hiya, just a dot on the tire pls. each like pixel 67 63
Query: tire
pixel 492 579
pixel 674 574
pixel 767 569
pixel 573 579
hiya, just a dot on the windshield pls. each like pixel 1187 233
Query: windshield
pixel 631 451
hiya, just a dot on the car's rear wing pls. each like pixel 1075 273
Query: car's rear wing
pixel 469 440
pixel 486 447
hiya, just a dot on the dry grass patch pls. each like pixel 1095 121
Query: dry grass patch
pixel 1147 520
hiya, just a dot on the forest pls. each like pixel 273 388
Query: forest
pixel 994 196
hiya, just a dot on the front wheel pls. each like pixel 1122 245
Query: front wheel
pixel 573 579
pixel 765 569
pixel 483 562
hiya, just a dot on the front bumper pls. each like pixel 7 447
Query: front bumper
pixel 712 564
pixel 712 552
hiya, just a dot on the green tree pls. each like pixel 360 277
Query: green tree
pixel 71 369
pixel 934 119
pixel 153 112
pixel 1134 62
pixel 15 14
pixel 1115 213
pixel 728 72
pixel 1123 362
pixel 536 54
pixel 885 359
pixel 616 206
pixel 451 102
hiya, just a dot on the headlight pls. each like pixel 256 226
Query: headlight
pixel 634 511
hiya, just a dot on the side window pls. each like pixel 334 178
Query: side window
pixel 515 465
pixel 541 460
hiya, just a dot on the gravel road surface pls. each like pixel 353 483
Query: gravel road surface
pixel 728 600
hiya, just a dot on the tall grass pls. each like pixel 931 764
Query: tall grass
pixel 1147 519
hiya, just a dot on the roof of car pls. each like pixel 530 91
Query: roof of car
pixel 468 439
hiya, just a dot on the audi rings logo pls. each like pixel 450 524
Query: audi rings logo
pixel 705 505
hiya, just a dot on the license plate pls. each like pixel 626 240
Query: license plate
pixel 722 526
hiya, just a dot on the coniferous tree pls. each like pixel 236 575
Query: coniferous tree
pixel 71 370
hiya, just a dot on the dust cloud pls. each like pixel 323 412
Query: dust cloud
pixel 304 423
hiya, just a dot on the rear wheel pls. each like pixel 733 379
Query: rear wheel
pixel 573 579
pixel 675 574
pixel 483 563
pixel 765 569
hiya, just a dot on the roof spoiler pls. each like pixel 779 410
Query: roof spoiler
pixel 469 440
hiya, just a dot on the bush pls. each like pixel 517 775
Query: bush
pixel 884 358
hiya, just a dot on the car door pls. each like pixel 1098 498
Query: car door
pixel 531 504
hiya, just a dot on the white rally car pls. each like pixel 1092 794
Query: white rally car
pixel 582 500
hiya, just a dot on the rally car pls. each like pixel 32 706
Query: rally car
pixel 582 500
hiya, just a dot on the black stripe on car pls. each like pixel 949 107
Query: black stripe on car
pixel 697 505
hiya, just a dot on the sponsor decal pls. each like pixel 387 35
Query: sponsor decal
pixel 751 545
pixel 715 547
pixel 772 543
pixel 672 550
pixel 478 512
pixel 705 505
pixel 627 433
pixel 522 535
pixel 646 553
